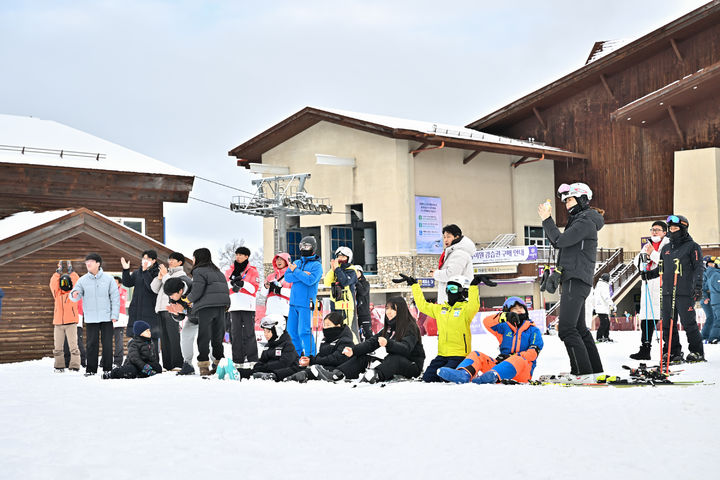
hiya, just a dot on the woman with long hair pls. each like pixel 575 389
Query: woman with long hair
pixel 399 338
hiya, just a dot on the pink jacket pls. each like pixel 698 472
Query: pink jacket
pixel 278 302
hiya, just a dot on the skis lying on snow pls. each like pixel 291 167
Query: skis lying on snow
pixel 397 379
pixel 642 376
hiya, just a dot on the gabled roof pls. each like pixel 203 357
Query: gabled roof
pixel 32 141
pixel 429 133
pixel 23 233
pixel 613 62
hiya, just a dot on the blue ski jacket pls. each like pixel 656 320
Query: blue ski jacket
pixel 304 279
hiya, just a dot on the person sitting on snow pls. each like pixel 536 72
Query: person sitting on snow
pixel 142 359
pixel 336 336
pixel 520 344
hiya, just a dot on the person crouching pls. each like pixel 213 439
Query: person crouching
pixel 279 353
pixel 142 360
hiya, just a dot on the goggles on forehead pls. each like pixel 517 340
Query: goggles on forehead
pixel 452 288
pixel 305 246
pixel 673 219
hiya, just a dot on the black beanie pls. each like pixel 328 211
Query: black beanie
pixel 139 327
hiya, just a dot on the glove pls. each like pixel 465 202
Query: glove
pixel 237 283
pixel 59 269
pixel 477 279
pixel 405 278
pixel 552 282
pixel 502 357
pixel 148 370
pixel 69 265
pixel 274 288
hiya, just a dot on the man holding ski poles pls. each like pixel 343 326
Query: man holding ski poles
pixel 681 270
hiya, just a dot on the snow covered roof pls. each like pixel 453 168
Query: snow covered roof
pixel 33 141
pixel 23 221
pixel 600 49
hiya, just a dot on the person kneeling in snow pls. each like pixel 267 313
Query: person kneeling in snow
pixel 520 344
pixel 279 354
pixel 142 360
pixel 400 338
pixel 336 337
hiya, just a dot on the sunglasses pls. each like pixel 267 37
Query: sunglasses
pixel 452 289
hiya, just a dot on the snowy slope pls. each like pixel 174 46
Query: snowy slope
pixel 69 426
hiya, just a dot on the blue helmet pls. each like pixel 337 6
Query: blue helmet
pixel 512 301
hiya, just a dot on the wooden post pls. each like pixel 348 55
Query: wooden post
pixel 671 111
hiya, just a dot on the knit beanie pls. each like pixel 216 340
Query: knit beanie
pixel 139 327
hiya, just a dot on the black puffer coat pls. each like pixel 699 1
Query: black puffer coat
pixel 142 306
pixel 335 340
pixel 690 267
pixel 279 353
pixel 410 346
pixel 209 289
pixel 141 352
pixel 577 244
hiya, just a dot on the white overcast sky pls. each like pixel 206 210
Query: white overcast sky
pixel 186 81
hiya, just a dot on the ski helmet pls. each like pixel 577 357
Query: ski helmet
pixel 605 277
pixel 512 301
pixel 345 251
pixel 66 283
pixel 576 190
pixel 275 322
pixel 678 221
pixel 307 244
pixel 457 283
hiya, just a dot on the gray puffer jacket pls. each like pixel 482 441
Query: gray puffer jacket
pixel 209 289
pixel 577 244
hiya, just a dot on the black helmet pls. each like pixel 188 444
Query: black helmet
pixel 307 246
pixel 66 283
pixel 678 221
pixel 605 277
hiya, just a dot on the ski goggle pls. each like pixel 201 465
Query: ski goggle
pixel 563 189
pixel 673 219
pixel 452 288
pixel 305 246
pixel 512 301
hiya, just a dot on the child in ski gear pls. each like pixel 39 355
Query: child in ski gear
pixel 362 302
pixel 341 278
pixel 279 359
pixel 603 306
pixel 242 279
pixel 277 289
pixel 180 309
pixel 399 338
pixel 647 262
pixel 455 260
pixel 577 246
pixel 210 299
pixel 713 285
pixel 453 321
pixel 119 326
pixel 681 271
pixel 520 344
pixel 101 307
pixel 142 360
pixel 65 318
pixel 172 358
pixel 705 300
pixel 336 336
pixel 304 274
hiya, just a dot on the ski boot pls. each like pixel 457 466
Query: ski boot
pixel 107 375
pixel 693 357
pixel 488 377
pixel 59 370
pixel 643 353
pixel 322 373
pixel 455 376
pixel 301 377
pixel 370 376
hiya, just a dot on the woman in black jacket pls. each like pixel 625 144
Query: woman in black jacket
pixel 400 337
pixel 142 359
pixel 210 299
pixel 577 246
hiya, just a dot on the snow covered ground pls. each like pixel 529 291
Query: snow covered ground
pixel 62 426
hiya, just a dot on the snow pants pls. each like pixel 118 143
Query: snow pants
pixel 187 340
pixel 170 342
pixel 603 330
pixel 94 332
pixel 118 345
pixel 514 367
pixel 709 319
pixel 714 333
pixel 61 335
pixel 685 310
pixel 440 361
pixel 390 366
pixel 299 327
pixel 572 330
pixel 242 332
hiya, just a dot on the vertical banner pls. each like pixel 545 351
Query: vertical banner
pixel 428 225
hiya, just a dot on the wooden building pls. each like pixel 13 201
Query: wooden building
pixel 65 193
pixel 630 111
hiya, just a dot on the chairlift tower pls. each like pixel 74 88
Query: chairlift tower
pixel 279 197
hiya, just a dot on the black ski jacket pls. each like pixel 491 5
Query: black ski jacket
pixel 209 289
pixel 141 352
pixel 577 245
pixel 279 353
pixel 362 298
pixel 688 255
pixel 410 347
pixel 330 351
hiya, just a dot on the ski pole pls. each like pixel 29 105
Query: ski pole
pixel 672 312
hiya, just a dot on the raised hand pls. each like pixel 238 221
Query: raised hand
pixel 125 264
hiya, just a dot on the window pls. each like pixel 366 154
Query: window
pixel 293 240
pixel 341 237
pixel 137 224
pixel 535 236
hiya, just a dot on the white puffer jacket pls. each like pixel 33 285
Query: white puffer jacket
pixel 458 261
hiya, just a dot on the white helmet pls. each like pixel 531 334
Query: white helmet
pixel 274 320
pixel 344 251
pixel 574 190
pixel 464 282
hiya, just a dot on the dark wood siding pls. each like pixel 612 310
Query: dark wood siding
pixel 630 168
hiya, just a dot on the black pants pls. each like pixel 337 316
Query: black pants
pixel 431 375
pixel 647 327
pixel 573 331
pixel 280 373
pixel 211 330
pixel 94 332
pixel 81 346
pixel 170 342
pixel 118 345
pixel 244 344
pixel 131 371
pixel 391 365
pixel 685 309
pixel 365 327
pixel 603 330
